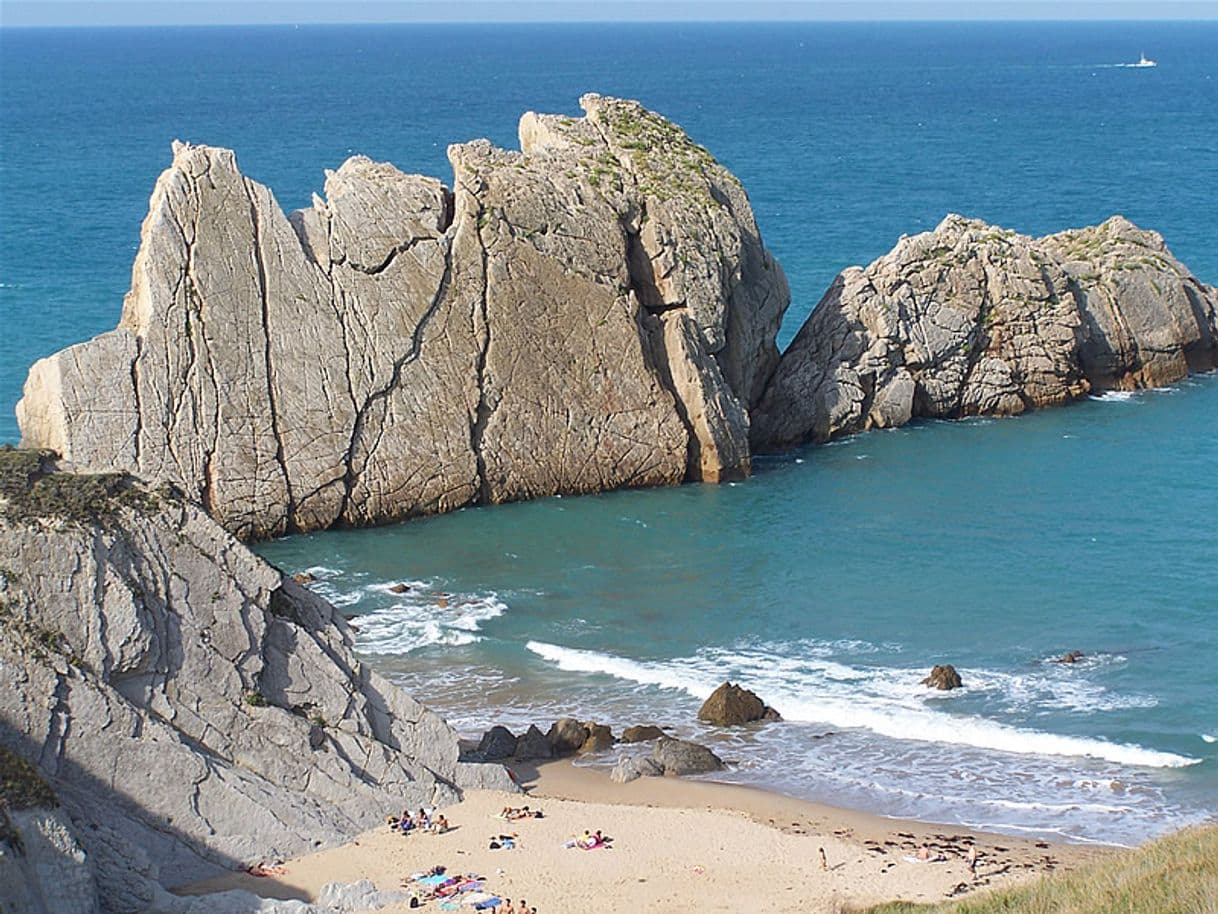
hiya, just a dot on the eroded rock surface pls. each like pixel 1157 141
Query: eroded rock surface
pixel 971 319
pixel 193 708
pixel 595 311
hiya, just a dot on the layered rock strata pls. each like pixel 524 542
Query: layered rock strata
pixel 595 311
pixel 972 320
pixel 193 709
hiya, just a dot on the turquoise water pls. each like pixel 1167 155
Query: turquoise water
pixel 834 578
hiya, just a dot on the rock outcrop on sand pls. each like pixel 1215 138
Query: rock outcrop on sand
pixel 193 709
pixel 595 311
pixel 972 320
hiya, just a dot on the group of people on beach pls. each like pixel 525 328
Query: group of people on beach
pixel 424 821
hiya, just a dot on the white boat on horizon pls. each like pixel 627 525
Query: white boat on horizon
pixel 1145 61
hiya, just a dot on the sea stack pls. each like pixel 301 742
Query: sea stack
pixel 976 320
pixel 592 312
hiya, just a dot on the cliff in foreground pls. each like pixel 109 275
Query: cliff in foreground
pixel 192 708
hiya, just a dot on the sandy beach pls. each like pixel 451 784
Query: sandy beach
pixel 678 845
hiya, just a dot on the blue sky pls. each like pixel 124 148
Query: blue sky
pixel 183 12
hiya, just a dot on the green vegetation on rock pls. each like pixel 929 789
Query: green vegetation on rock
pixel 31 489
pixel 21 786
pixel 1174 875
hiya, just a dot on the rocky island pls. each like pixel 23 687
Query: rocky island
pixel 595 311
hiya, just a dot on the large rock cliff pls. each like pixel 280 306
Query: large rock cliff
pixel 971 320
pixel 193 709
pixel 595 311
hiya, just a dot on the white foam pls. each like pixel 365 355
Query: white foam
pixel 1209 738
pixel 1116 396
pixel 420 618
pixel 883 701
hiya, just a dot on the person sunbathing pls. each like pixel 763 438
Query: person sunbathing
pixel 440 825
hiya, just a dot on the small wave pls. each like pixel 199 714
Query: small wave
pixel 1209 738
pixel 837 695
pixel 1116 396
pixel 422 619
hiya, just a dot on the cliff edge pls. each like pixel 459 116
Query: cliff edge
pixel 592 312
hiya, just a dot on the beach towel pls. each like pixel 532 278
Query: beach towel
pixel 433 880
pixel 489 903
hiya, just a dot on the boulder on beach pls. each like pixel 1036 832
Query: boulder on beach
pixel 497 743
pixel 641 733
pixel 598 739
pixel 943 678
pixel 630 769
pixel 679 756
pixel 566 735
pixel 730 705
pixel 532 745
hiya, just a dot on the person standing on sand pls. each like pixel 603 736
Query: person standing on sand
pixel 972 859
pixel 824 861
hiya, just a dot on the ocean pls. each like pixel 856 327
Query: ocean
pixel 836 576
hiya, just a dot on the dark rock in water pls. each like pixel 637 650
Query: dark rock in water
pixel 566 735
pixel 943 678
pixel 303 577
pixel 630 769
pixel 399 588
pixel 1070 657
pixel 599 738
pixel 678 756
pixel 533 745
pixel 497 743
pixel 641 734
pixel 730 705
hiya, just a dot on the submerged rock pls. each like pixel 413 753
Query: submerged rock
pixel 971 319
pixel 594 311
pixel 730 705
pixel 1071 657
pixel 943 678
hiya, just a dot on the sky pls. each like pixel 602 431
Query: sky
pixel 221 12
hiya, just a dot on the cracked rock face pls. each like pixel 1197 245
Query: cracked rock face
pixel 595 311
pixel 194 709
pixel 972 320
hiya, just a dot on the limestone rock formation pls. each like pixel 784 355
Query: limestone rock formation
pixel 731 705
pixel 631 768
pixel 595 311
pixel 193 708
pixel 971 320
pixel 943 677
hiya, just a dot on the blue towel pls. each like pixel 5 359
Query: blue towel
pixel 489 903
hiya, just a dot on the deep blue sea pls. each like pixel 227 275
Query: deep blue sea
pixel 834 578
